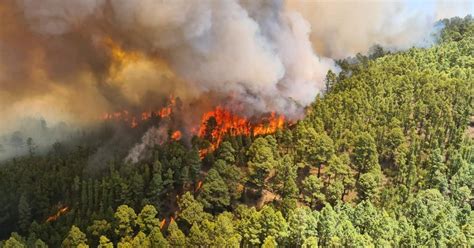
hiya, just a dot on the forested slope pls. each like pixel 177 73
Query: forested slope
pixel 382 159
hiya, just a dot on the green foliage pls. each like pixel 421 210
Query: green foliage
pixel 194 163
pixel 261 161
pixel 312 191
pixel 249 225
pixel 157 239
pixel 40 244
pixel 231 175
pixel 302 225
pixel 191 210
pixel 365 153
pixel 214 191
pixel 225 233
pixel 147 220
pixel 286 177
pixel 140 240
pixel 269 242
pixel 382 159
pixel 75 238
pixel 126 221
pixel 456 29
pixel 273 224
pixel 227 153
pixel 315 148
pixel 104 242
pixel 15 241
pixel 368 186
pixel 176 237
pixel 99 228
pixel 24 213
pixel 198 238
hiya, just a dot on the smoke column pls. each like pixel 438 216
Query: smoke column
pixel 72 60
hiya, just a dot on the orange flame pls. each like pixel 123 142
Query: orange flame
pixel 198 186
pixel 273 124
pixel 134 120
pixel 118 53
pixel 162 223
pixel 58 214
pixel 176 135
pixel 227 123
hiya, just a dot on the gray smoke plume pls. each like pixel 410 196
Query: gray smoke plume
pixel 76 59
pixel 153 137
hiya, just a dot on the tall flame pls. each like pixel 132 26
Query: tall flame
pixel 216 124
pixel 273 124
pixel 225 123
pixel 162 223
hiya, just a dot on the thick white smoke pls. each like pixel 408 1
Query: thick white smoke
pixel 342 28
pixel 267 61
pixel 271 55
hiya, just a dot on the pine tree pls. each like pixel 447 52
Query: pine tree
pixel 156 238
pixel 261 161
pixel 365 153
pixel 269 242
pixel 140 240
pixel 273 224
pixel 193 161
pixel 191 210
pixel 227 153
pixel 176 237
pixel 155 189
pixel 104 242
pixel 14 242
pixel 214 192
pixel 147 220
pixel 312 191
pixel 198 238
pixel 24 213
pixel 75 238
pixel 125 218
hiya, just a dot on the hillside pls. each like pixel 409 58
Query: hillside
pixel 382 159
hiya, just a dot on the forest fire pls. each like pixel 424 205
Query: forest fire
pixel 216 124
pixel 58 214
pixel 133 120
pixel 162 223
pixel 198 186
pixel 119 55
pixel 176 135
pixel 269 125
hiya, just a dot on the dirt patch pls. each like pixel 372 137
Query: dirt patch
pixel 267 196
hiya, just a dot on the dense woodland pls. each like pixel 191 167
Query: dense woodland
pixel 383 159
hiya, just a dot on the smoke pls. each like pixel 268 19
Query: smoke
pixel 343 28
pixel 153 137
pixel 72 60
pixel 35 136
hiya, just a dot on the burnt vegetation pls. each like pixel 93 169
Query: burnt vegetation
pixel 384 158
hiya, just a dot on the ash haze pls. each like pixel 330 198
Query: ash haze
pixel 70 61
